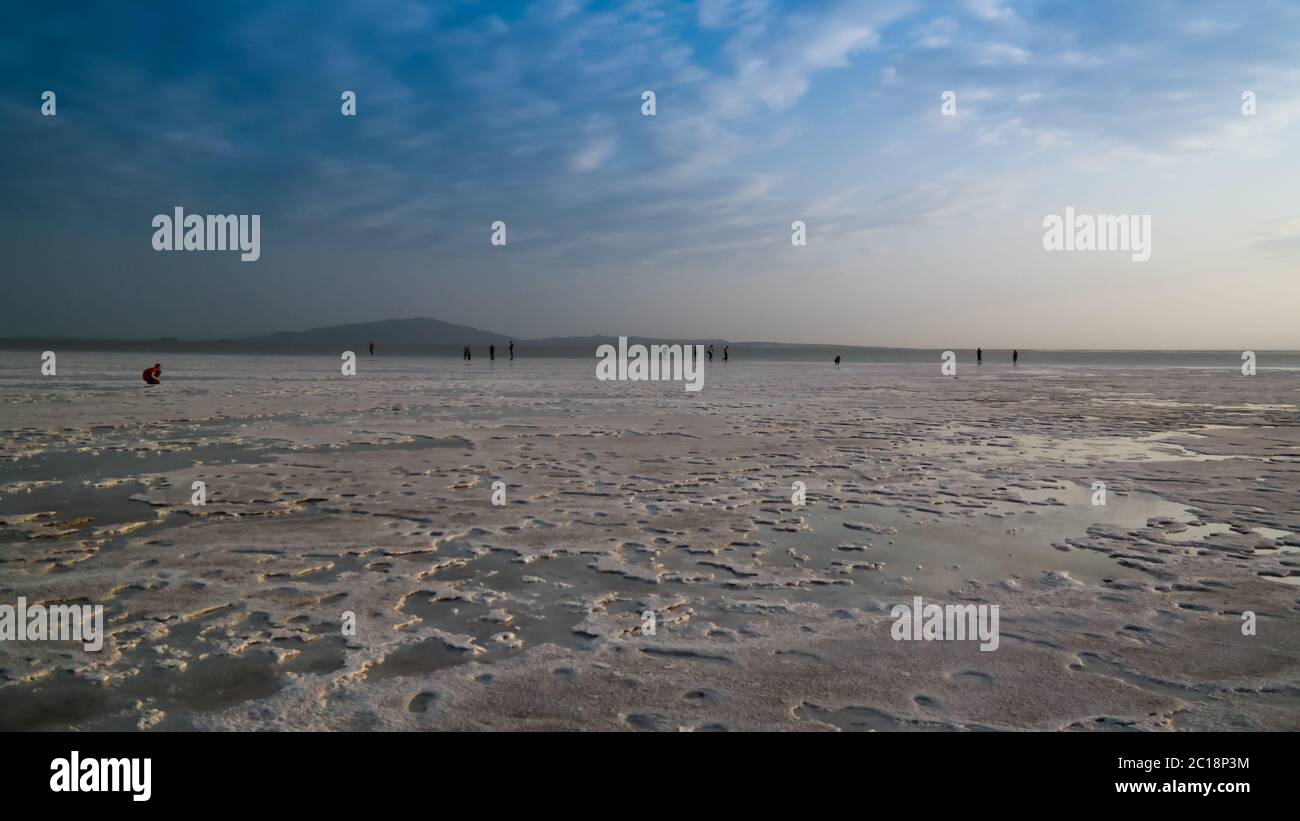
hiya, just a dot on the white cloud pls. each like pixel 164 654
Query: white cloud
pixel 991 10
pixel 593 155
pixel 938 33
pixel 775 70
pixel 1001 53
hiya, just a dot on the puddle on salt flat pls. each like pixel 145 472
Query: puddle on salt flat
pixel 975 445
pixel 63 698
pixel 950 550
pixel 545 598
pixel 76 495
pixel 1195 533
pixel 1271 532
pixel 416 443
pixel 417 659
pixel 1255 406
pixel 870 720
pixel 1184 719
pixel 211 678
pixel 76 467
pixel 1003 540
pixel 100 484
pixel 542 597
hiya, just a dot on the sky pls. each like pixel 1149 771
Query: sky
pixel 923 229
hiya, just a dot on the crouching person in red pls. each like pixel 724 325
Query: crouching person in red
pixel 152 376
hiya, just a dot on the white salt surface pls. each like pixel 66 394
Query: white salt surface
pixel 371 495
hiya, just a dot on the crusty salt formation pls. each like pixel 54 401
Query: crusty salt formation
pixel 372 496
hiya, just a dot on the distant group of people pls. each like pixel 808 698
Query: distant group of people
pixel 979 356
pixel 468 355
pixel 726 353
pixel 153 375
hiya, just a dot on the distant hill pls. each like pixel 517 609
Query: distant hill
pixel 418 335
pixel 428 336
pixel 592 342
pixel 390 334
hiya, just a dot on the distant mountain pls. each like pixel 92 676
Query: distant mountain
pixel 418 335
pixel 390 334
pixel 427 336
pixel 592 342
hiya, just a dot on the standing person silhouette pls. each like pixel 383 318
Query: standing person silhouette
pixel 1015 357
pixel 725 349
pixel 492 353
pixel 979 356
pixel 710 353
pixel 837 360
pixel 372 347
pixel 512 350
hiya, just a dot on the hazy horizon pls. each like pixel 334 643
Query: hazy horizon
pixel 923 230
pixel 634 336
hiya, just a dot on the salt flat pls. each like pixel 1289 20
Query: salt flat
pixel 372 495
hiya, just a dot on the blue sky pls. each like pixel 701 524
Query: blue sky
pixel 923 229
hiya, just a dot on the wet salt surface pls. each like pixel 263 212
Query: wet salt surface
pixel 101 485
pixel 372 496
